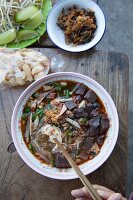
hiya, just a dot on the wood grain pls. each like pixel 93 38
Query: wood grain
pixel 18 181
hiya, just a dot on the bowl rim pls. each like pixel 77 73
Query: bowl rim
pixel 83 49
pixel 73 176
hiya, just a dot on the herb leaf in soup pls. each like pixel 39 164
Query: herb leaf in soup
pixel 27 109
pixel 39 112
pixel 31 148
pixel 69 133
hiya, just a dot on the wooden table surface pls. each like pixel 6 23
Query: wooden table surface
pixel 18 181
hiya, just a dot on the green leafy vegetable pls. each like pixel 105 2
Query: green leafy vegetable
pixel 52 162
pixel 83 121
pixel 29 136
pixel 31 148
pixel 39 112
pixel 69 133
pixel 27 109
pixel 24 117
pixel 58 86
pixel 66 93
pixel 47 5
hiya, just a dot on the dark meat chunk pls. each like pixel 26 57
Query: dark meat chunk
pixel 80 112
pixel 93 132
pixel 96 105
pixel 70 105
pixel 77 98
pixel 100 140
pixel 103 116
pixel 81 90
pixel 61 162
pixel 104 126
pixel 90 96
pixel 89 108
pixel 94 122
pixel 74 153
pixel 84 155
pixel 94 113
pixel 88 143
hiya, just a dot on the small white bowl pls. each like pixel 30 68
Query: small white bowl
pixel 57 35
pixel 86 167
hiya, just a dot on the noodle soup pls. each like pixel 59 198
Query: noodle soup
pixel 70 112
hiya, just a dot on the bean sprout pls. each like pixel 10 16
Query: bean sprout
pixel 8 9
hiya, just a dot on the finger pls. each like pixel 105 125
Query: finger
pixel 100 187
pixel 82 192
pixel 115 196
pixel 105 194
pixel 123 198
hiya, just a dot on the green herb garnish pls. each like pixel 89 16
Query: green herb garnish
pixel 66 93
pixel 39 112
pixel 27 109
pixel 52 162
pixel 83 121
pixel 69 133
pixel 24 117
pixel 31 148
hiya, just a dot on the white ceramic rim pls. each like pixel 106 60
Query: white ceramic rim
pixel 73 176
pixel 83 47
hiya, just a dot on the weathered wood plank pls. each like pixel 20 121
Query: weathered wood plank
pixel 18 181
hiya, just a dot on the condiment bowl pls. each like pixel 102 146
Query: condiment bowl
pixel 57 35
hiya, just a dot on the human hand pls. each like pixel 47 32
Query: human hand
pixel 105 193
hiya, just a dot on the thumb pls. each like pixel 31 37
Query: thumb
pixel 105 194
pixel 115 196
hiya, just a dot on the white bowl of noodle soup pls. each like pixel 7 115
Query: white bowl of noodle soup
pixel 87 167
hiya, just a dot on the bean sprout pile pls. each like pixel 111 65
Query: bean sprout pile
pixel 8 9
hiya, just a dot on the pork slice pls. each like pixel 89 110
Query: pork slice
pixel 90 96
pixel 70 105
pixel 94 113
pixel 100 140
pixel 61 162
pixel 84 155
pixel 104 126
pixel 89 108
pixel 81 90
pixel 80 113
pixel 103 116
pixel 94 122
pixel 88 143
pixel 77 98
pixel 93 132
pixel 96 105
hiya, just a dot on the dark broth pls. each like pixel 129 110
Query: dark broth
pixel 82 128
